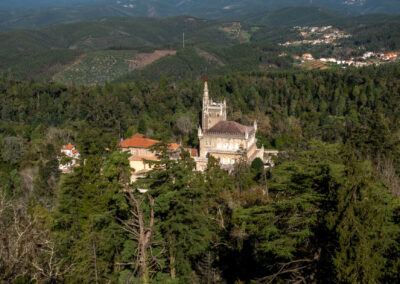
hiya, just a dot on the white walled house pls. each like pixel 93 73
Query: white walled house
pixel 69 158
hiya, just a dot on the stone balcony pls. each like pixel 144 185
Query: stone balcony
pixel 226 151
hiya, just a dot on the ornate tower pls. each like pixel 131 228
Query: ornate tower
pixel 212 112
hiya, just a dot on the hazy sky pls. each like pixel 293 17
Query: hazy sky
pixel 38 3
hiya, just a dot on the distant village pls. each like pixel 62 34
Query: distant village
pixel 367 59
pixel 330 35
pixel 317 35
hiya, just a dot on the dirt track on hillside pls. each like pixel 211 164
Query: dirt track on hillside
pixel 143 59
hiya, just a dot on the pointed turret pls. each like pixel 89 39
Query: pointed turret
pixel 205 95
pixel 199 132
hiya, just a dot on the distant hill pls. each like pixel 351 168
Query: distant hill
pixel 40 13
pixel 102 50
pixel 66 43
pixel 292 16
pixel 117 32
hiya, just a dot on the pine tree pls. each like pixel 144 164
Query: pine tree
pixel 363 224
pixel 179 196
pixel 86 226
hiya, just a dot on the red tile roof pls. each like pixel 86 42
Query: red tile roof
pixel 74 151
pixel 68 147
pixel 138 141
pixel 173 146
pixel 192 151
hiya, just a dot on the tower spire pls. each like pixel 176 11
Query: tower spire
pixel 206 102
pixel 205 95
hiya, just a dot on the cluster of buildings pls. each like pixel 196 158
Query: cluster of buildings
pixel 227 141
pixel 69 158
pixel 367 59
pixel 317 35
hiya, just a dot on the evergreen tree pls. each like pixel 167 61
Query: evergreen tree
pixel 363 223
pixel 179 196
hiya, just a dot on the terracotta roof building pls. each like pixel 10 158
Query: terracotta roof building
pixel 72 153
pixel 307 56
pixel 68 147
pixel 138 141
pixel 142 153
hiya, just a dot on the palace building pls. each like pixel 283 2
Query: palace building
pixel 225 140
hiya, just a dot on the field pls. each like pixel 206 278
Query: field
pixel 97 67
pixel 314 64
pixel 236 31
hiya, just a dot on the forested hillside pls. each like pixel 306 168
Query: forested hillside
pixel 57 49
pixel 47 51
pixel 105 50
pixel 327 212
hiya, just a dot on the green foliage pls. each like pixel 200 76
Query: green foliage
pixel 179 195
pixel 85 222
pixel 99 51
pixel 327 210
pixel 13 149
pixel 363 218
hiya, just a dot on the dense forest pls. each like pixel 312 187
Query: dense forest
pixel 328 212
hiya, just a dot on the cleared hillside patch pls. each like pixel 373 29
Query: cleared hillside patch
pixel 143 59
pixel 210 57
pixel 314 64
pixel 97 67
